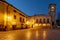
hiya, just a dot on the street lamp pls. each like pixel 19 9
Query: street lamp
pixel 30 23
pixel 7 19
pixel 27 22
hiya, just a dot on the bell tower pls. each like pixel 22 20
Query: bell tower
pixel 52 13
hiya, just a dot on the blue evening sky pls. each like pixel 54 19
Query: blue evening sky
pixel 32 7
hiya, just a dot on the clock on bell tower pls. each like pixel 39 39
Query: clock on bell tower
pixel 52 7
pixel 52 13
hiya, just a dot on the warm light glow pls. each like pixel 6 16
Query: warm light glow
pixel 44 34
pixel 14 22
pixel 30 23
pixel 44 24
pixel 9 37
pixel 40 24
pixel 27 22
pixel 35 24
pixel 28 35
pixel 7 18
pixel 49 25
pixel 37 33
pixel 52 7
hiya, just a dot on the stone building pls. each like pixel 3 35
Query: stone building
pixel 45 20
pixel 40 21
pixel 52 13
pixel 12 18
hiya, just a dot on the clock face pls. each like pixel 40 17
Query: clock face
pixel 52 8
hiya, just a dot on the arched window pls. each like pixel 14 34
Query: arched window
pixel 47 20
pixel 36 20
pixel 23 19
pixel 14 16
pixel 20 19
pixel 15 11
pixel 40 21
pixel 44 20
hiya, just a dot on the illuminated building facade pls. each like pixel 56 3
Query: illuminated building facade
pixel 12 18
pixel 41 21
pixel 47 20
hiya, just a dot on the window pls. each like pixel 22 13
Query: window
pixel 20 19
pixel 44 20
pixel 23 20
pixel 21 26
pixel 14 10
pixel 14 16
pixel 40 21
pixel 36 20
pixel 47 20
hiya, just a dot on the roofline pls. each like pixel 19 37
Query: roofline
pixel 13 6
pixel 52 4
